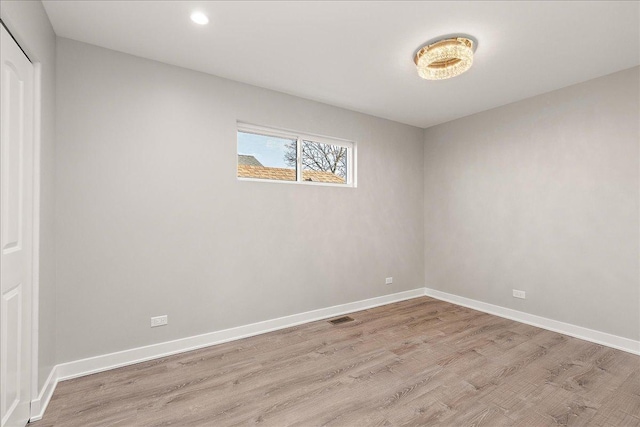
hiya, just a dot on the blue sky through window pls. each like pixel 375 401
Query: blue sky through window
pixel 269 150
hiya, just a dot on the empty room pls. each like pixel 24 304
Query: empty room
pixel 310 213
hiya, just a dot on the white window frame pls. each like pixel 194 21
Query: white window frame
pixel 299 137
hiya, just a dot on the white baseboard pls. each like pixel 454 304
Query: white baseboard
pixel 609 340
pixel 92 365
pixel 119 359
pixel 39 405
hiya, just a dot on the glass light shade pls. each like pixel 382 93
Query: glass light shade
pixel 445 59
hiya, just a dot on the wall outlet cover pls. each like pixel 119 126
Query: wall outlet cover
pixel 159 321
pixel 519 294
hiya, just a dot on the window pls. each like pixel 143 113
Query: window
pixel 275 155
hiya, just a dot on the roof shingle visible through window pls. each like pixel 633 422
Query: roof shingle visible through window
pixel 284 174
pixel 246 159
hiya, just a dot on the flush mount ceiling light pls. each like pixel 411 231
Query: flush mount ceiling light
pixel 199 18
pixel 445 58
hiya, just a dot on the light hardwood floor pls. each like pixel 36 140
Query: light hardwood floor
pixel 417 362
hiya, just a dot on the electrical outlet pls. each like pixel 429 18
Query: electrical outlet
pixel 159 321
pixel 388 281
pixel 519 294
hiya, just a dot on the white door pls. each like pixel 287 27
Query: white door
pixel 16 232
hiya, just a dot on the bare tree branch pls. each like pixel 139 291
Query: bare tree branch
pixel 319 157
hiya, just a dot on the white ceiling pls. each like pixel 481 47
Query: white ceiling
pixel 358 55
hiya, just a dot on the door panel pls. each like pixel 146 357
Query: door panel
pixel 11 326
pixel 13 93
pixel 16 232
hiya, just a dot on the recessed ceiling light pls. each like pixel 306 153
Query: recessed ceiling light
pixel 199 18
pixel 445 58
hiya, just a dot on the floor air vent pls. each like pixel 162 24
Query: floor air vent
pixel 342 319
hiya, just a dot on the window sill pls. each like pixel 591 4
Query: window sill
pixel 312 183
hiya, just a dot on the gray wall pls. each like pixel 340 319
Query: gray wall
pixel 30 25
pixel 541 195
pixel 151 219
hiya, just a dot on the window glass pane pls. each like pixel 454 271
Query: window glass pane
pixel 324 163
pixel 266 157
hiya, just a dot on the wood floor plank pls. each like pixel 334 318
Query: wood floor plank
pixel 414 363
